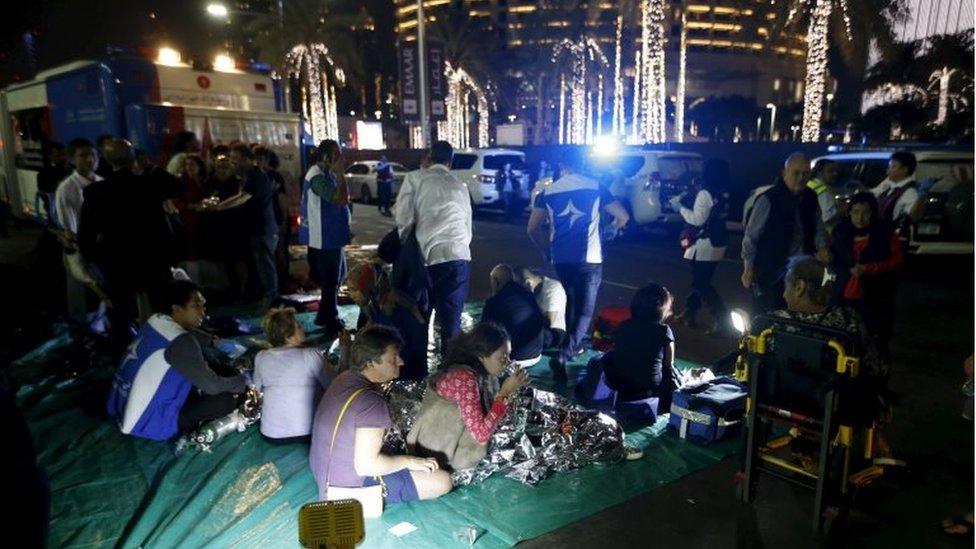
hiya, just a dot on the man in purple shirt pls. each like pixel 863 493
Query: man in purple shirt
pixel 355 459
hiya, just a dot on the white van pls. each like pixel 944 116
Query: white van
pixel 647 180
pixel 477 168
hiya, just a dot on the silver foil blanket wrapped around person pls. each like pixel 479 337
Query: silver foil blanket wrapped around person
pixel 543 433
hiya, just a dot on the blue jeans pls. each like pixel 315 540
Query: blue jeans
pixel 581 282
pixel 449 290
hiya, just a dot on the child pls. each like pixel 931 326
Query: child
pixel 641 363
pixel 291 377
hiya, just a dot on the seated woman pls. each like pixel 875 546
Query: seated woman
pixel 348 453
pixel 292 378
pixel 155 394
pixel 381 304
pixel 461 408
pixel 807 294
pixel 641 364
pixel 866 254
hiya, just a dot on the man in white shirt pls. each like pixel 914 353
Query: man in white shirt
pixel 439 206
pixel 68 200
pixel 549 294
pixel 897 194
pixel 70 194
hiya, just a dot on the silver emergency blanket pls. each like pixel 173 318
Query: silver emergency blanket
pixel 540 434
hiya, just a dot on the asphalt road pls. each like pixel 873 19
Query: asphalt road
pixel 652 256
pixel 934 333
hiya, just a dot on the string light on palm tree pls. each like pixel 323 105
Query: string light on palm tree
pixel 583 52
pixel 618 124
pixel 652 68
pixel 460 87
pixel 941 78
pixel 635 112
pixel 679 107
pixel 815 83
pixel 562 109
pixel 318 73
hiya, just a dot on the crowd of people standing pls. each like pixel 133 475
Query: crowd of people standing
pixel 126 228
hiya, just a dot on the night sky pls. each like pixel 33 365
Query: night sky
pixel 67 30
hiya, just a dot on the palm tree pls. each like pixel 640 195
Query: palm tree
pixel 465 44
pixel 849 27
pixel 923 87
pixel 314 40
pixel 328 22
pixel 469 57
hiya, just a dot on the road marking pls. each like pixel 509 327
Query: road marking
pixel 620 285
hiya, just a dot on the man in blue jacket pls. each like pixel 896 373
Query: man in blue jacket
pixel 325 229
pixel 164 384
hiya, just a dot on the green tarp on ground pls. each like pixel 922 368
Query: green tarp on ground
pixel 111 490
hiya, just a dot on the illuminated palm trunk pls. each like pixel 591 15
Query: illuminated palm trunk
pixel 306 62
pixel 617 125
pixel 580 118
pixel 457 126
pixel 816 77
pixel 679 108
pixel 652 66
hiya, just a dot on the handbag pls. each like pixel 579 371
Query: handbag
pixel 370 497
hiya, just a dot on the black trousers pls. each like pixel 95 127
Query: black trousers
pixel 328 268
pixel 200 408
pixel 702 290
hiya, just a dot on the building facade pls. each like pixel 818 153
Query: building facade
pixel 733 47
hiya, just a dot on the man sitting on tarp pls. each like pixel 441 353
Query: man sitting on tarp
pixel 165 384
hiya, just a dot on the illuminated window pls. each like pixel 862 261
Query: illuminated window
pixel 522 9
pixel 776 84
pixel 427 4
pixel 714 26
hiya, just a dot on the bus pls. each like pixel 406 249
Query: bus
pixel 144 101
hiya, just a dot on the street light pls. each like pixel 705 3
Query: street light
pixel 224 63
pixel 168 56
pixel 772 121
pixel 218 10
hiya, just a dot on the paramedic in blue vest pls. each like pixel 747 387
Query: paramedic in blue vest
pixel 785 222
pixel 325 228
pixel 165 384
pixel 571 206
pixel 384 187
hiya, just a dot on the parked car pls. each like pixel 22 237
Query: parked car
pixel 361 177
pixel 477 168
pixel 646 181
pixel 946 224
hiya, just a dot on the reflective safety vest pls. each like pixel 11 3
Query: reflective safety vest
pixel 147 392
pixel 817 186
